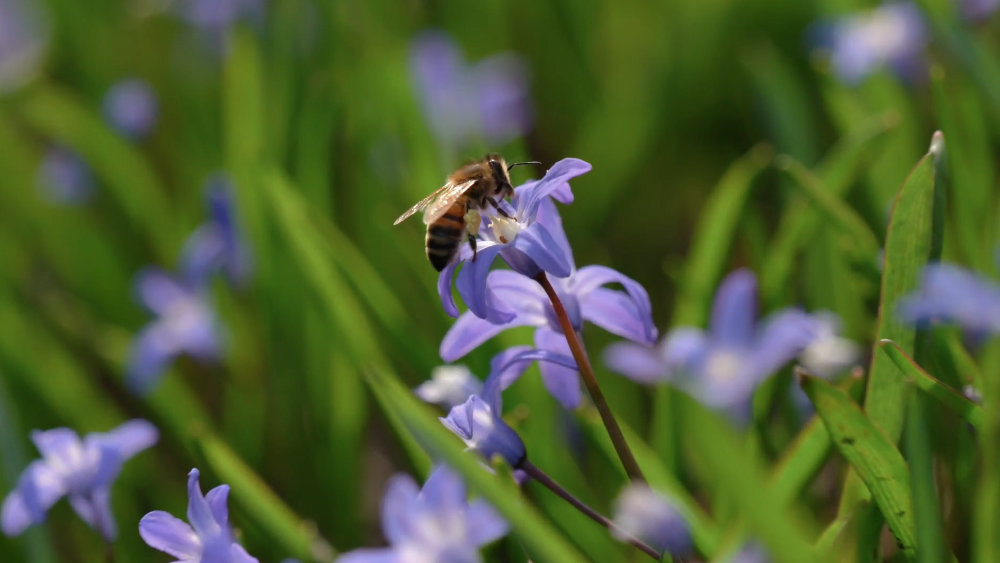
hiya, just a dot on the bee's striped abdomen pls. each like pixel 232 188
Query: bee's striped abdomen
pixel 445 234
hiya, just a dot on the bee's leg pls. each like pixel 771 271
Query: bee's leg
pixel 496 206
pixel 472 243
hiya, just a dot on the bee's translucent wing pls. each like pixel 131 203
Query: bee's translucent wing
pixel 437 202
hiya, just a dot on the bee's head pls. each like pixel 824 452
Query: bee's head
pixel 501 177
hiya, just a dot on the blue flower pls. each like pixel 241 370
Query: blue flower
pixel 974 10
pixel 646 514
pixel 218 244
pixel 24 35
pixel 207 539
pixel 625 313
pixel 436 524
pixel 952 294
pixel 130 107
pixel 64 177
pixel 449 386
pixel 530 241
pixel 893 34
pixel 721 367
pixel 185 324
pixel 216 16
pixel 463 103
pixel 82 470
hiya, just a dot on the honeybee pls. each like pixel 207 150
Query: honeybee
pixel 451 213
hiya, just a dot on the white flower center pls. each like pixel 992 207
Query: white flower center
pixel 505 229
pixel 723 366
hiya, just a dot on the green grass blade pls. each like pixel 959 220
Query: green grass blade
pixel 542 540
pixel 927 511
pixel 955 401
pixel 871 453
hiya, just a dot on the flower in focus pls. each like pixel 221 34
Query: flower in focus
pixel 218 244
pixel 64 177
pixel 24 35
pixel 184 324
pixel 82 470
pixel 436 524
pixel 952 294
pixel 449 386
pixel 531 241
pixel 130 107
pixel 721 367
pixel 462 103
pixel 646 514
pixel 207 539
pixel 893 34
pixel 829 354
pixel 625 313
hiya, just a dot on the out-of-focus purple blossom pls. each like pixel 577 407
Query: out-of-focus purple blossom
pixel 752 552
pixel 218 244
pixel 185 324
pixel 131 108
pixel 625 313
pixel 216 16
pixel 488 100
pixel 449 386
pixel 646 514
pixel 892 35
pixel 207 539
pixel 721 367
pixel 952 294
pixel 829 353
pixel 974 10
pixel 435 524
pixel 64 177
pixel 82 470
pixel 24 35
pixel 530 241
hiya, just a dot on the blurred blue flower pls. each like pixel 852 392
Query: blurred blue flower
pixel 24 36
pixel 829 354
pixel 463 103
pixel 216 16
pixel 625 313
pixel 646 514
pixel 721 367
pixel 185 324
pixel 82 470
pixel 530 241
pixel 893 34
pixel 449 386
pixel 218 244
pixel 752 552
pixel 64 177
pixel 436 524
pixel 130 106
pixel 978 9
pixel 207 539
pixel 952 294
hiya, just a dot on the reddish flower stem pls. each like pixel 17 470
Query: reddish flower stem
pixel 540 476
pixel 590 381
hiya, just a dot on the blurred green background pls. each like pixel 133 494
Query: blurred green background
pixel 312 110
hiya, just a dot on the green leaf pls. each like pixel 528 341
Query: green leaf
pixel 955 401
pixel 871 453
pixel 543 542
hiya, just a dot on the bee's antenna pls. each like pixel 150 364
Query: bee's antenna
pixel 520 163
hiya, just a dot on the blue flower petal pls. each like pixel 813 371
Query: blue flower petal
pixel 562 382
pixel 38 488
pixel 589 278
pixel 95 509
pixel 637 362
pixel 158 291
pixel 444 288
pixel 169 534
pixel 129 438
pixel 484 523
pixel 735 309
pixel 199 513
pixel 472 286
pixel 545 252
pixel 556 180
pixel 468 332
pixel 398 509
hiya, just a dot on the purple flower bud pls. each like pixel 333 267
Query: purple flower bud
pixel 64 177
pixel 434 524
pixel 218 244
pixel 207 539
pixel 130 107
pixel 82 470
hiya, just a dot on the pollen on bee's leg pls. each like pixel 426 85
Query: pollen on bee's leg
pixel 472 221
